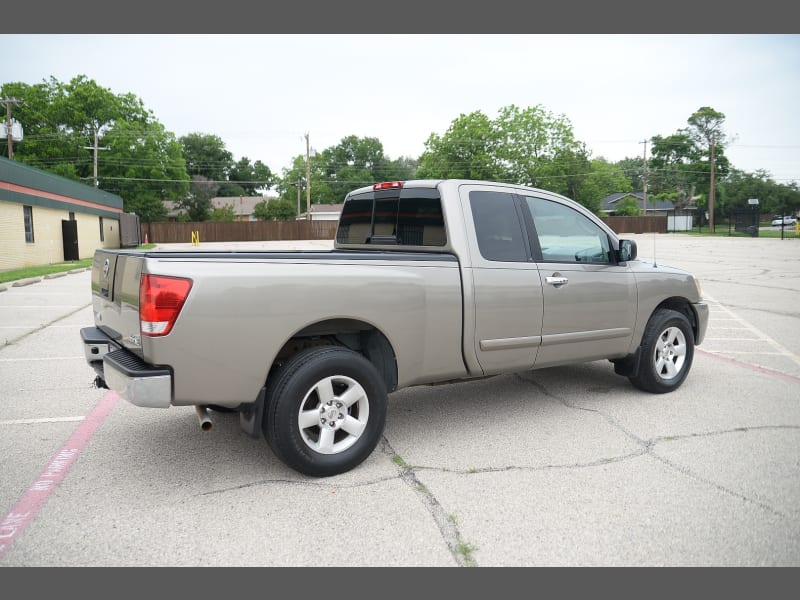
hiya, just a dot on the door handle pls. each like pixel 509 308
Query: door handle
pixel 556 281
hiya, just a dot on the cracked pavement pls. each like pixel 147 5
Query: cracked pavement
pixel 565 466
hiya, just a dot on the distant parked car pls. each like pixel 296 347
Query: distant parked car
pixel 785 220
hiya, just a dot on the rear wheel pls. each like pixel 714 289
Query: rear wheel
pixel 325 411
pixel 666 353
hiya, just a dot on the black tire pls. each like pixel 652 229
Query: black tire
pixel 325 411
pixel 667 351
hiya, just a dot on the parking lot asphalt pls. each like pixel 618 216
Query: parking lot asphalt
pixel 568 466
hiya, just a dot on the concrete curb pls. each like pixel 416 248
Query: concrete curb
pixel 29 281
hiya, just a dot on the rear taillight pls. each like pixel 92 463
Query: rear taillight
pixel 160 302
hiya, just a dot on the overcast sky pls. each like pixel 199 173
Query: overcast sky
pixel 262 93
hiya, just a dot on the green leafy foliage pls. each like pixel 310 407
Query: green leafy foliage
pixel 198 202
pixel 137 159
pixel 206 156
pixel 146 165
pixel 275 210
pixel 627 207
pixel 224 213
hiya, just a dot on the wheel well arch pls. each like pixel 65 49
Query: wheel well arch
pixel 360 336
pixel 683 306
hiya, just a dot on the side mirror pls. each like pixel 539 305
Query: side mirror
pixel 627 250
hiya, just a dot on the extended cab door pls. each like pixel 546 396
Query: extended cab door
pixel 506 292
pixel 590 300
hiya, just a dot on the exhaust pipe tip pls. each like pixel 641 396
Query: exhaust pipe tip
pixel 202 415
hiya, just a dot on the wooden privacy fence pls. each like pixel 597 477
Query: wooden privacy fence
pixel 654 224
pixel 237 231
pixel 255 231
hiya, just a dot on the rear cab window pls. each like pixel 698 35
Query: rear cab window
pixel 397 216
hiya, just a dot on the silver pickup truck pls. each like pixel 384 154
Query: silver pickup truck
pixel 428 282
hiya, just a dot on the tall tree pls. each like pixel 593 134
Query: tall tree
pixel 674 168
pixel 539 147
pixel 467 150
pixel 142 163
pixel 249 178
pixel 530 146
pixel 705 128
pixel 207 156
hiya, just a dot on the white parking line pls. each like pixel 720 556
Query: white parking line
pixel 41 358
pixel 760 336
pixel 50 420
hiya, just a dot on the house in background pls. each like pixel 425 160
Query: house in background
pixel 680 220
pixel 243 206
pixel 46 219
pixel 322 212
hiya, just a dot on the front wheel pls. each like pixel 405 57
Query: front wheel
pixel 667 351
pixel 326 411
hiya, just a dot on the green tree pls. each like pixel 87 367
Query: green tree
pixel 539 148
pixel 281 210
pixel 601 179
pixel 352 163
pixel 401 169
pixel 198 202
pixel 260 211
pixel 675 168
pixel 207 156
pixel 46 143
pixel 681 162
pixel 249 178
pixel 705 129
pixel 275 210
pixel 633 169
pixel 144 165
pixel 224 213
pixel 467 150
pixel 628 207
pixel 530 146
pixel 140 161
pixel 737 187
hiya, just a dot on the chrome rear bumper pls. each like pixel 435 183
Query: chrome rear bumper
pixel 125 373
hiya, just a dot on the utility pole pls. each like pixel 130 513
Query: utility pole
pixel 308 180
pixel 95 148
pixel 711 191
pixel 8 102
pixel 644 177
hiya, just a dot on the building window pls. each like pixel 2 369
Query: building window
pixel 102 234
pixel 28 210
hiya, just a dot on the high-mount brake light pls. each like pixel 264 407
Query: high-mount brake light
pixel 388 185
pixel 160 302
